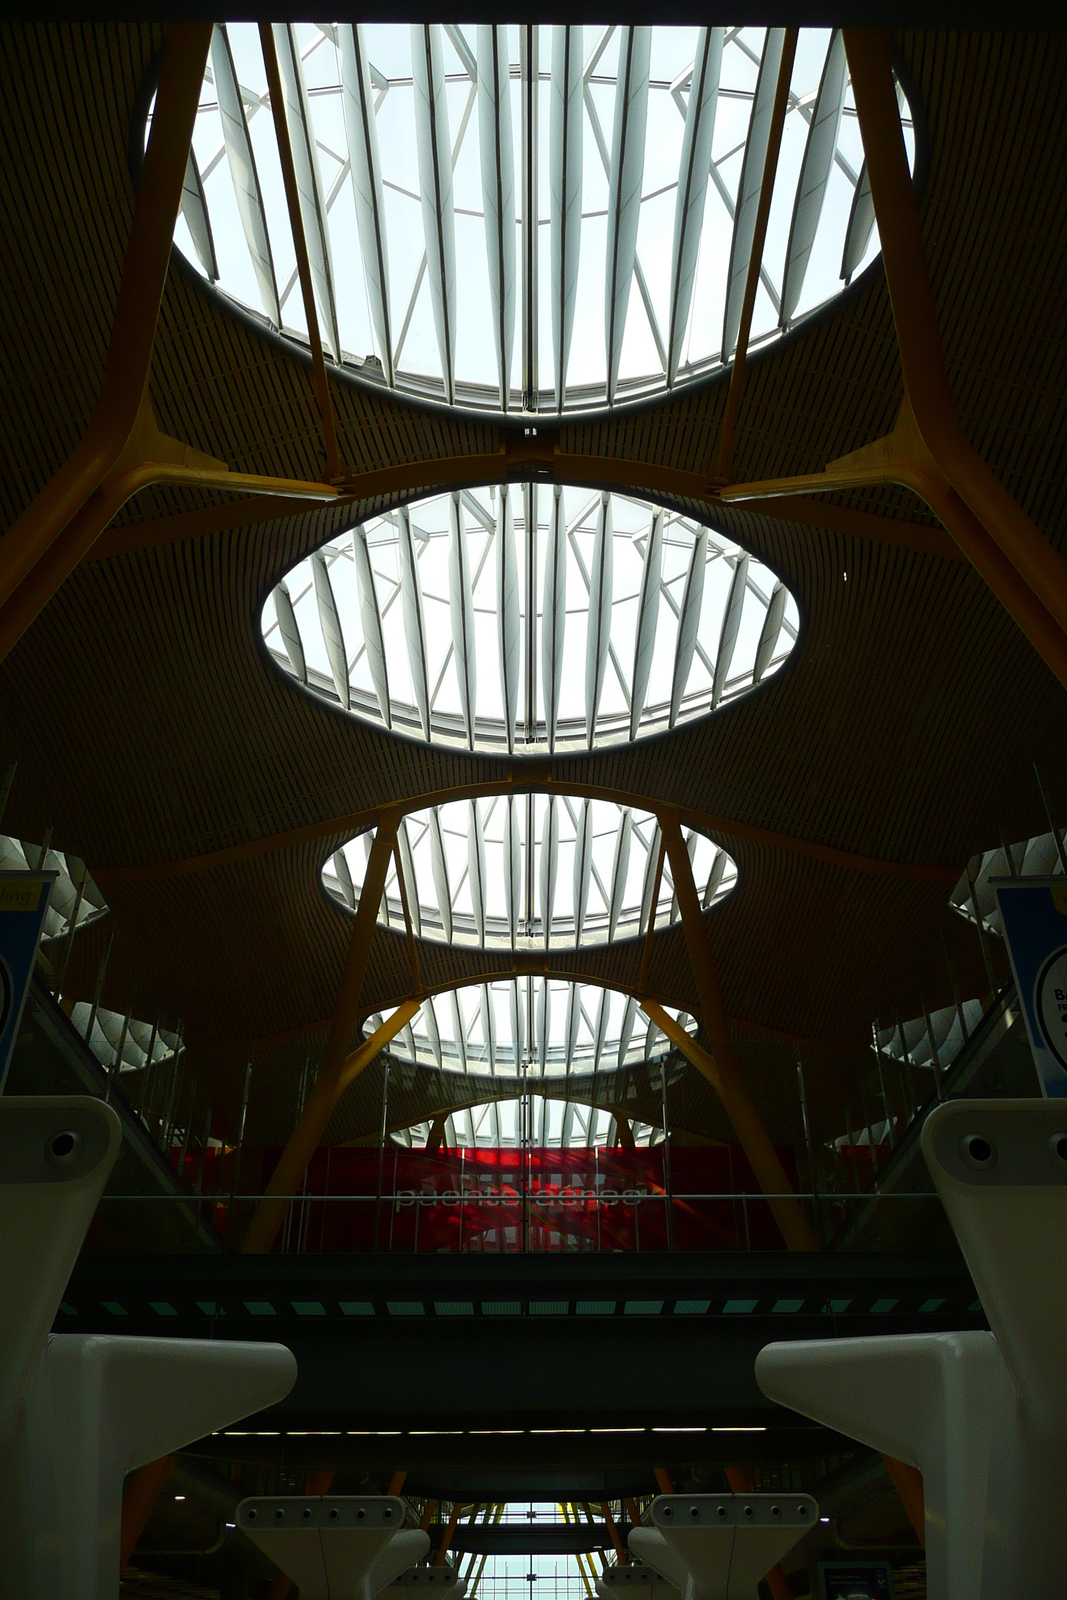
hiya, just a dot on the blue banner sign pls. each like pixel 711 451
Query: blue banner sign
pixel 1035 925
pixel 23 903
pixel 855 1580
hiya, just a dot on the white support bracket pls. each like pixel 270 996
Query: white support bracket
pixel 636 1583
pixel 982 1415
pixel 78 1412
pixel 336 1547
pixel 718 1547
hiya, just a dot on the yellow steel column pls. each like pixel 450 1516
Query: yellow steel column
pixel 902 458
pixel 725 466
pixel 136 312
pixel 338 1066
pixel 925 378
pixel 306 1137
pixel 303 262
pixel 723 1068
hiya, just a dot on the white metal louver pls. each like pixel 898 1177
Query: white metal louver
pixel 523 224
pixel 551 616
pixel 485 872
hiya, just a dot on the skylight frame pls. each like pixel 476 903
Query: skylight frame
pixel 303 49
pixel 604 1033
pixel 382 619
pixel 605 862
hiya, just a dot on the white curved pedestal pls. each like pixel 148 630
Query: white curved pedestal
pixel 718 1547
pixel 982 1415
pixel 636 1583
pixel 78 1412
pixel 336 1547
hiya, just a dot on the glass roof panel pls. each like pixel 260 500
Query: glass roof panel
pixel 548 1027
pixel 586 238
pixel 484 871
pixel 473 619
pixel 552 1125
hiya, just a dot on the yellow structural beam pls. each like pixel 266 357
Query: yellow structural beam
pixel 928 451
pixel 522 776
pixel 925 378
pixel 303 261
pixel 136 312
pixel 724 469
pixel 306 1137
pixel 123 450
pixel 720 1065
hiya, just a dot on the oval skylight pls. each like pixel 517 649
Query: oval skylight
pixel 537 1121
pixel 545 1026
pixel 484 871
pixel 529 617
pixel 528 218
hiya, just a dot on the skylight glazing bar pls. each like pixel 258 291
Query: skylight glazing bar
pixel 692 188
pixel 508 624
pixel 439 870
pixel 361 128
pixel 414 626
pixel 476 868
pixel 748 194
pixel 619 871
pixel 498 191
pixel 688 623
pixel 461 607
pixel 565 193
pixel 554 613
pixel 242 164
pixel 435 182
pixel 290 632
pixel 512 870
pixel 407 868
pixel 370 616
pixel 529 58
pixel 624 189
pixel 731 626
pixel 769 633
pixel 648 608
pixel 814 175
pixel 195 212
pixel 312 209
pixel 599 623
pixel 330 623
pixel 583 861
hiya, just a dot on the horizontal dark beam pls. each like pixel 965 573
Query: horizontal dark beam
pixel 530 1538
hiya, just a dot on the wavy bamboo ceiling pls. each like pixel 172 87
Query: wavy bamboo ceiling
pixel 151 729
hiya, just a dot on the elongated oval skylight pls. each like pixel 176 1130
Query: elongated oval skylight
pixel 538 1121
pixel 547 1027
pixel 528 218
pixel 530 871
pixel 530 617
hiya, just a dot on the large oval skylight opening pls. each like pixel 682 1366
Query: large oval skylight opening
pixel 530 871
pixel 546 1026
pixel 528 218
pixel 529 617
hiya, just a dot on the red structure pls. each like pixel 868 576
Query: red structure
pixel 503 1200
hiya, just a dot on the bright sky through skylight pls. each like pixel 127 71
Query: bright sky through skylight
pixel 482 872
pixel 523 217
pixel 549 1026
pixel 441 621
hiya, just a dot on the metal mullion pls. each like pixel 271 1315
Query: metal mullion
pixel 529 498
pixel 588 589
pixel 676 608
pixel 765 277
pixel 646 300
pixel 598 50
pixel 530 80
